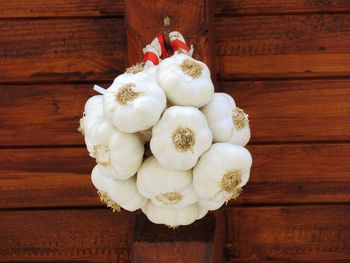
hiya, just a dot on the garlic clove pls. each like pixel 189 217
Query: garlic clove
pixel 222 170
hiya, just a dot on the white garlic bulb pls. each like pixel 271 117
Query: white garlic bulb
pixel 117 193
pixel 118 155
pixel 227 122
pixel 93 115
pixel 221 173
pixel 173 217
pixel 186 81
pixel 165 187
pixel 134 102
pixel 180 137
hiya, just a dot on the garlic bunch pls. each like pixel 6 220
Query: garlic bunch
pixel 186 81
pixel 117 193
pixel 134 102
pixel 221 173
pixel 227 122
pixel 154 148
pixel 180 137
pixel 165 187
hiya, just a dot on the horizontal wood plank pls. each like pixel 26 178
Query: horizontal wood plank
pixel 65 236
pixel 42 115
pixel 280 174
pixel 59 50
pixel 317 110
pixel 46 177
pixel 283 46
pixel 299 173
pixel 279 111
pixel 59 8
pixel 288 234
pixel 261 7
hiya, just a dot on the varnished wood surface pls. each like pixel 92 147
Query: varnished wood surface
pixel 295 110
pixel 66 235
pixel 288 234
pixel 307 110
pixel 59 8
pixel 61 50
pixel 282 173
pixel 42 114
pixel 263 7
pixel 282 46
pixel 285 62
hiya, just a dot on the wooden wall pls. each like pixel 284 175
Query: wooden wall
pixel 287 63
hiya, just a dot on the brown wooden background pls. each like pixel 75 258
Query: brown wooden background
pixel 286 62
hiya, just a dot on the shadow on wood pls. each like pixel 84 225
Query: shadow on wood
pixel 159 243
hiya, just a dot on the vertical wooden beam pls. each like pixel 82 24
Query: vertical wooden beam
pixel 194 19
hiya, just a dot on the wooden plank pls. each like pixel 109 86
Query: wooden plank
pixel 58 8
pixel 59 50
pixel 300 110
pixel 159 243
pixel 193 21
pixel 263 7
pixel 283 46
pixel 95 235
pixel 46 178
pixel 42 115
pixel 315 110
pixel 288 234
pixel 298 174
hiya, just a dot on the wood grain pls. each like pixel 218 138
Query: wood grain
pixel 46 178
pixel 288 234
pixel 263 7
pixel 95 235
pixel 194 23
pixel 299 173
pixel 59 8
pixel 48 115
pixel 60 50
pixel 42 114
pixel 281 174
pixel 300 110
pixel 283 46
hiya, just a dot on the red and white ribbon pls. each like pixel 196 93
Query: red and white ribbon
pixel 156 51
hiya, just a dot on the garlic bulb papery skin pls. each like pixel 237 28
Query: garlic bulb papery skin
pixel 117 193
pixel 180 137
pixel 172 217
pixel 221 173
pixel 227 122
pixel 165 187
pixel 186 81
pixel 93 116
pixel 134 102
pixel 118 155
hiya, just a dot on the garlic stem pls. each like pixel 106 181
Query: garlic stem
pixel 108 201
pixel 239 118
pixel 183 139
pixel 126 94
pixel 170 197
pixel 101 153
pixel 230 183
pixel 135 68
pixel 191 68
